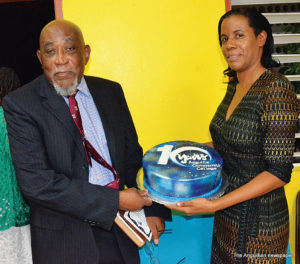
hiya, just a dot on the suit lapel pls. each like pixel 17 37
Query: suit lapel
pixel 101 103
pixel 58 107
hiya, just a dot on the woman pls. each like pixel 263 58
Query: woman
pixel 253 130
pixel 14 228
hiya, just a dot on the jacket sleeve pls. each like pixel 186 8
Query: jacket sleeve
pixel 41 184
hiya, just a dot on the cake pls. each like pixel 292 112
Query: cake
pixel 181 170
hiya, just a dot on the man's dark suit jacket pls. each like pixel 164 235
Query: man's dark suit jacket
pixel 52 170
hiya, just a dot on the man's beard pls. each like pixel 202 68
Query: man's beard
pixel 65 91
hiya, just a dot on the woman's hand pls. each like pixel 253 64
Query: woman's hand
pixel 195 206
pixel 263 183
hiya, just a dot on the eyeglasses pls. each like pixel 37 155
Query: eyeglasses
pixel 149 249
pixel 181 261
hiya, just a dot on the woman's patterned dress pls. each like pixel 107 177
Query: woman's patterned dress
pixel 15 242
pixel 258 136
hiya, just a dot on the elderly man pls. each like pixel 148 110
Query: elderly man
pixel 74 148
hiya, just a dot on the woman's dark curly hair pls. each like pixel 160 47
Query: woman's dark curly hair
pixel 9 81
pixel 259 23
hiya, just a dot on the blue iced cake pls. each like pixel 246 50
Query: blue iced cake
pixel 181 170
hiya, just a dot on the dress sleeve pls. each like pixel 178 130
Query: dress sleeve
pixel 279 120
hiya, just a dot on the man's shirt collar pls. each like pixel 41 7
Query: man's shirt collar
pixel 82 87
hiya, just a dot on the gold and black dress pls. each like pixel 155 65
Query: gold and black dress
pixel 258 136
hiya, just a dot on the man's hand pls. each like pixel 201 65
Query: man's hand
pixel 132 199
pixel 157 226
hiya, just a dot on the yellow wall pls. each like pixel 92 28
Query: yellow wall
pixel 164 53
pixel 291 190
pixel 166 56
